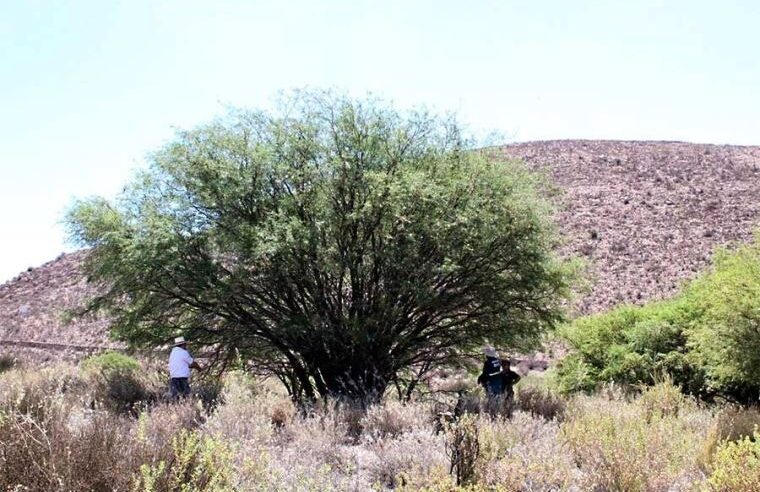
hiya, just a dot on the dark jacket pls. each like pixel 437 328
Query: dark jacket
pixel 491 369
pixel 495 368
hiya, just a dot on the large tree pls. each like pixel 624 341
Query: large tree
pixel 338 243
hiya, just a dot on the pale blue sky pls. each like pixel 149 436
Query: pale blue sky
pixel 88 87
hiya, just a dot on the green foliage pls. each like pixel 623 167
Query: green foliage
pixel 198 463
pixel 334 242
pixel 630 345
pixel 110 363
pixel 726 337
pixel 737 466
pixel 706 339
pixel 117 381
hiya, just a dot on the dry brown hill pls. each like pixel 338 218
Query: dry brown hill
pixel 645 215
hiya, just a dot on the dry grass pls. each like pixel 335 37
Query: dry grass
pixel 51 438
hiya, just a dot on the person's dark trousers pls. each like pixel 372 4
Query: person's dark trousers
pixel 179 387
pixel 494 386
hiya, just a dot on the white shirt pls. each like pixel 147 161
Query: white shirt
pixel 179 363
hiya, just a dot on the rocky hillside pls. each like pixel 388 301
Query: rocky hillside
pixel 34 308
pixel 645 216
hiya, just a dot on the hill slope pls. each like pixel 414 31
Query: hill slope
pixel 645 215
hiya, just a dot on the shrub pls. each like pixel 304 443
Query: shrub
pixel 618 450
pixel 208 391
pixel 117 382
pixel 629 345
pixel 59 449
pixel 731 424
pixel 737 466
pixel 408 460
pixel 110 362
pixel 664 399
pixel 725 338
pixel 29 393
pixel 706 339
pixel 463 448
pixel 7 362
pixel 477 403
pixel 198 463
pixel 540 402
pixel 525 453
pixel 392 418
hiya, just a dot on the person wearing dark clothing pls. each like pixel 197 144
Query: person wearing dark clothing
pixel 509 378
pixel 491 377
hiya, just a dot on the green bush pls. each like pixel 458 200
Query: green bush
pixel 737 466
pixel 117 382
pixel 110 362
pixel 726 336
pixel 198 463
pixel 630 345
pixel 730 424
pixel 706 339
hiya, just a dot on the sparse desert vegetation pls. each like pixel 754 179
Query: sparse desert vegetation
pixel 410 252
pixel 341 321
pixel 59 432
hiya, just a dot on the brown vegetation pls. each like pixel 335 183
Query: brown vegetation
pixel 52 438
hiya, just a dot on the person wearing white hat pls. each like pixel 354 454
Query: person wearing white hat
pixel 491 377
pixel 180 363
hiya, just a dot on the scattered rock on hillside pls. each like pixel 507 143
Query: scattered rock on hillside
pixel 647 215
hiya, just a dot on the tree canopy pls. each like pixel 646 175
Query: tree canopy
pixel 338 243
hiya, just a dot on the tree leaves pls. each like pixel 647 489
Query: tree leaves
pixel 336 242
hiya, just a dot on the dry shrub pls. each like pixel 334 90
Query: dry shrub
pixel 160 424
pixel 28 392
pixel 347 418
pixel 43 451
pixel 540 402
pixel 730 424
pixel 209 391
pixel 50 438
pixel 245 417
pixel 393 418
pixel 463 448
pixel 736 467
pixel 407 460
pixel 7 362
pixel 618 449
pixel 664 399
pixel 311 452
pixel 118 383
pixel 477 403
pixel 525 453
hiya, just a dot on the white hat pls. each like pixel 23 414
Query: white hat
pixel 179 341
pixel 491 352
